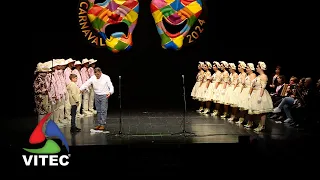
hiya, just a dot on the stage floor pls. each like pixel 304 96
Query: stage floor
pixel 148 148
pixel 158 126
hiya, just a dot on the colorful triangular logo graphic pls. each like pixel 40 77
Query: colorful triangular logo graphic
pixel 52 130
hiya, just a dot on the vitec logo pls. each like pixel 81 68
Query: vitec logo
pixel 47 155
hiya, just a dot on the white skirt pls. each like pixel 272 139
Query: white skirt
pixel 200 94
pixel 243 102
pixel 229 95
pixel 209 95
pixel 194 89
pixel 221 97
pixel 217 94
pixel 235 97
pixel 265 106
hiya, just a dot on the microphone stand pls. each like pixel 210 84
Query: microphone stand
pixel 120 114
pixel 184 132
pixel 120 133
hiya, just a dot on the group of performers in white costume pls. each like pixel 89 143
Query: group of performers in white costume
pixel 244 91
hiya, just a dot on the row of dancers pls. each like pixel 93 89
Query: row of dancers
pixel 51 95
pixel 244 91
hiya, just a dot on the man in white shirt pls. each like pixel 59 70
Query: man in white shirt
pixel 92 64
pixel 103 89
pixel 85 98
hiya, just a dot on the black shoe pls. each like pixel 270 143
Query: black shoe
pixel 75 129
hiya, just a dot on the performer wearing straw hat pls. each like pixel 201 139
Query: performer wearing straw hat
pixel 85 98
pixel 41 90
pixel 51 86
pixel 55 92
pixel 61 66
pixel 61 93
pixel 92 64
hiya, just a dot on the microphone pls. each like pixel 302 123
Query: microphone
pixel 120 120
pixel 183 79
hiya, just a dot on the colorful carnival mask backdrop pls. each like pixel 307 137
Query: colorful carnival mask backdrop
pixel 110 23
pixel 175 18
pixel 113 22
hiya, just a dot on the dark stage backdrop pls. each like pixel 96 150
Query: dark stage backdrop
pixel 151 76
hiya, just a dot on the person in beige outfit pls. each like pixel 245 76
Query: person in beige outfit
pixel 74 99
